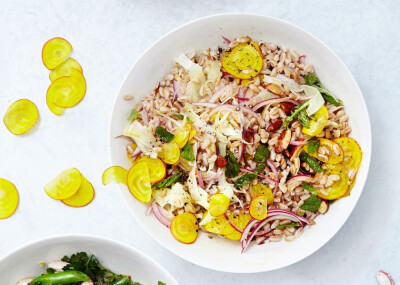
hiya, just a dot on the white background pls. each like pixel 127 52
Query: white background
pixel 107 37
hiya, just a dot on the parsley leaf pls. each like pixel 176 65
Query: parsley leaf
pixel 168 182
pixel 134 115
pixel 311 204
pixel 164 134
pixel 179 116
pixel 245 179
pixel 310 189
pixel 187 152
pixel 262 153
pixel 233 167
pixel 292 225
pixel 313 145
pixel 294 114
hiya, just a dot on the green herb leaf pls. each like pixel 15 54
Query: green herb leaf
pixel 179 116
pixel 260 167
pixel 311 204
pixel 168 182
pixel 294 114
pixel 244 180
pixel 134 115
pixel 187 152
pixel 310 189
pixel 189 120
pixel 232 168
pixel 311 162
pixel 163 134
pixel 302 117
pixel 50 271
pixel 262 153
pixel 161 283
pixel 292 225
pixel 313 145
pixel 311 79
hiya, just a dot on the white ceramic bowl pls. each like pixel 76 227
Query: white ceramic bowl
pixel 118 257
pixel 221 254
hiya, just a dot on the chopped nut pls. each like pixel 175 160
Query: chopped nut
pixel 283 141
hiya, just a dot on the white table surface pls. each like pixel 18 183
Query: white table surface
pixel 108 36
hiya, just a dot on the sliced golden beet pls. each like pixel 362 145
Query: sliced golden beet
pixel 192 134
pixel 55 51
pixel 338 188
pixel 259 207
pixel 21 116
pixel 155 166
pixel 67 91
pixel 317 126
pixel 234 236
pixel 219 225
pixel 181 136
pixel 330 146
pixel 52 107
pixel 170 153
pixel 64 69
pixel 115 174
pixel 64 185
pixel 8 198
pixel 185 228
pixel 138 182
pixel 83 197
pixel 261 189
pixel 240 221
pixel 219 204
pixel 244 61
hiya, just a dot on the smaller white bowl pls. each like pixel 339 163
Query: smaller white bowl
pixel 118 257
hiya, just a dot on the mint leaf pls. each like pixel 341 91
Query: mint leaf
pixel 310 189
pixel 260 167
pixel 311 162
pixel 179 116
pixel 292 225
pixel 313 145
pixel 311 79
pixel 232 168
pixel 168 182
pixel 134 115
pixel 302 117
pixel 187 152
pixel 311 204
pixel 244 180
pixel 262 153
pixel 163 134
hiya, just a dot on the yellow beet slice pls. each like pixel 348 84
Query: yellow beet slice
pixel 64 185
pixel 244 61
pixel 21 116
pixel 219 204
pixel 259 207
pixel 64 69
pixel 181 136
pixel 332 157
pixel 185 228
pixel 53 107
pixel 317 126
pixel 219 225
pixel 338 188
pixel 192 134
pixel 55 51
pixel 115 174
pixel 234 236
pixel 261 189
pixel 170 153
pixel 8 198
pixel 83 197
pixel 138 182
pixel 240 221
pixel 156 168
pixel 67 91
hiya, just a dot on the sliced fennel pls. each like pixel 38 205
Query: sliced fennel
pixel 142 137
pixel 196 75
pixel 316 101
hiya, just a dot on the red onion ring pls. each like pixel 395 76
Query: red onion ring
pixel 200 179
pixel 275 171
pixel 163 220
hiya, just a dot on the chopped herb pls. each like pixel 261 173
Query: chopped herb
pixel 295 112
pixel 189 120
pixel 262 153
pixel 179 116
pixel 311 162
pixel 168 182
pixel 313 145
pixel 311 204
pixel 302 117
pixel 310 189
pixel 161 283
pixel 134 115
pixel 233 167
pixel 312 80
pixel 260 167
pixel 245 179
pixel 292 225
pixel 50 271
pixel 187 152
pixel 163 134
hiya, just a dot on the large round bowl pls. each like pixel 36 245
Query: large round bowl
pixel 221 254
pixel 120 258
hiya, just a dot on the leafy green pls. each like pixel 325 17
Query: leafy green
pixel 232 168
pixel 187 152
pixel 163 134
pixel 311 204
pixel 260 167
pixel 50 271
pixel 262 153
pixel 302 117
pixel 312 80
pixel 161 283
pixel 313 145
pixel 310 189
pixel 179 116
pixel 134 115
pixel 292 225
pixel 168 182
pixel 245 179
pixel 311 162
pixel 294 114
pixel 189 120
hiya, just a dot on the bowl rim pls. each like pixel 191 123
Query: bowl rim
pixel 363 106
pixel 77 237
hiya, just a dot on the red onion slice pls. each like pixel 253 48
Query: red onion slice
pixel 213 176
pixel 163 220
pixel 273 101
pixel 384 278
pixel 176 87
pixel 200 179
pixel 275 172
pixel 145 117
pixel 228 41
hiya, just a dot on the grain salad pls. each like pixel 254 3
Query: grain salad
pixel 242 141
